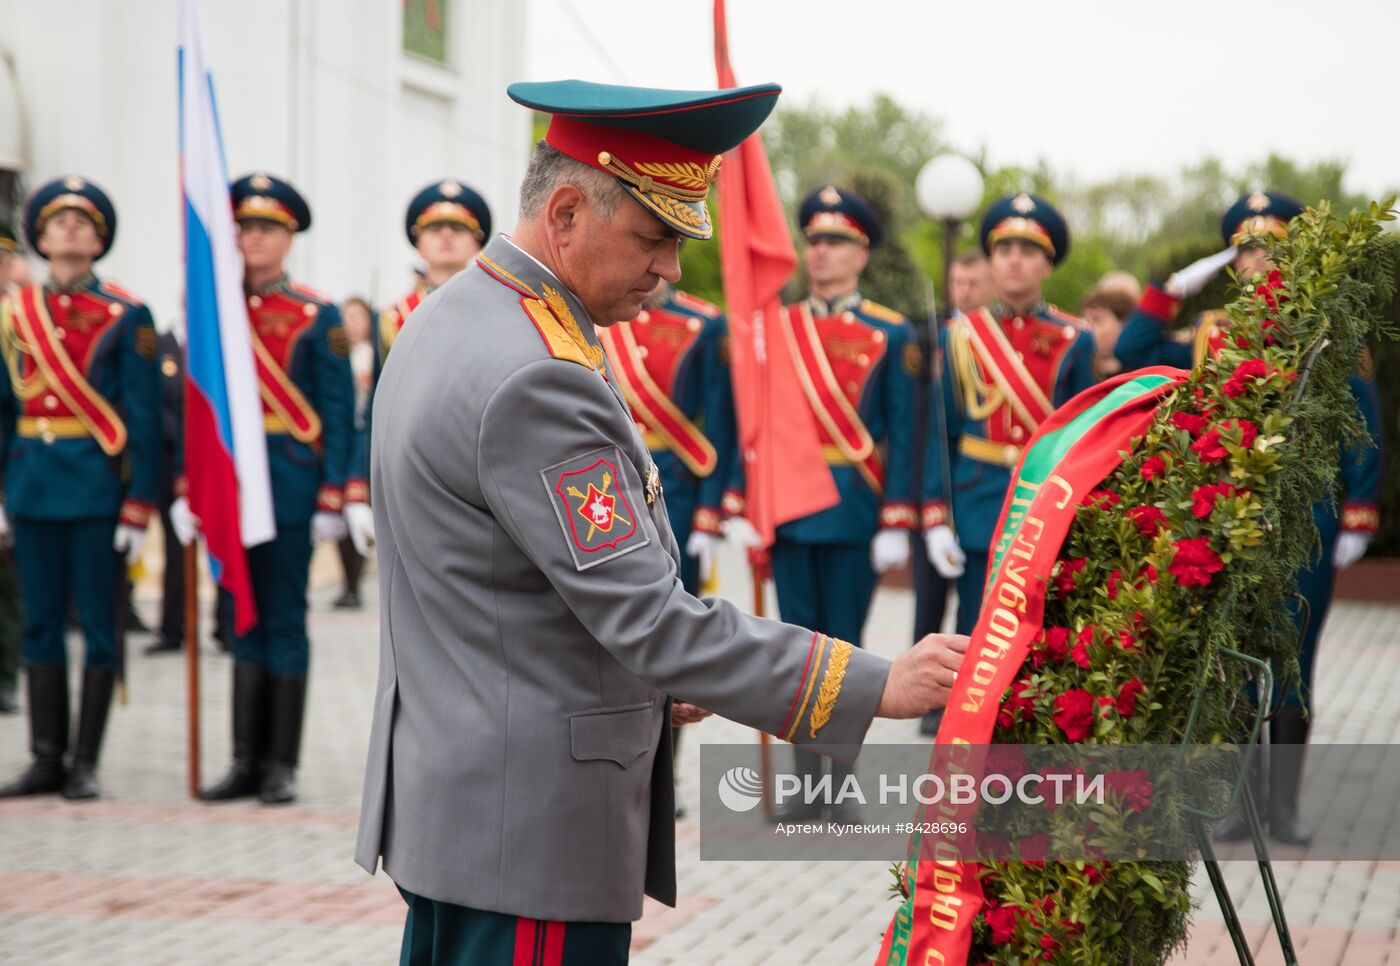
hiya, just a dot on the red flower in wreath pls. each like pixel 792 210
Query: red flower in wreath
pixel 1053 644
pixel 1002 920
pixel 1245 373
pixel 1248 431
pixel 1204 497
pixel 1191 422
pixel 1148 518
pixel 1127 697
pixel 1080 652
pixel 1101 499
pixel 1195 562
pixel 1133 788
pixel 1019 705
pixel 1074 713
pixel 1127 640
pixel 1112 586
pixel 1153 467
pixel 1209 446
pixel 1064 580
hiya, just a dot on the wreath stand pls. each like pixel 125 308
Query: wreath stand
pixel 1241 793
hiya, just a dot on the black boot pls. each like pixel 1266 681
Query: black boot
pixel 808 766
pixel 48 734
pixel 279 785
pixel 92 722
pixel 1288 733
pixel 1235 826
pixel 675 773
pixel 249 728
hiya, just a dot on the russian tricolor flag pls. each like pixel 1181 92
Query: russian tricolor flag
pixel 225 446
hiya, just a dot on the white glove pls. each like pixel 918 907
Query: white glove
pixel 327 527
pixel 1197 275
pixel 183 521
pixel 740 532
pixel 944 553
pixel 890 548
pixel 1351 547
pixel 129 540
pixel 6 537
pixel 703 547
pixel 359 520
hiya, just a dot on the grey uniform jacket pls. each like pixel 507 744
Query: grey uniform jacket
pixel 533 626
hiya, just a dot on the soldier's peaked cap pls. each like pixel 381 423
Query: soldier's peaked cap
pixel 665 146
pixel 70 193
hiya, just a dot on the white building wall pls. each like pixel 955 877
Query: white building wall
pixel 318 91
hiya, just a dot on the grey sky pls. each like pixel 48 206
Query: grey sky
pixel 1096 88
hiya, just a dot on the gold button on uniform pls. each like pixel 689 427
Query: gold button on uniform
pixel 1013 453
pixel 50 402
pixel 254 300
pixel 64 301
pixel 1017 433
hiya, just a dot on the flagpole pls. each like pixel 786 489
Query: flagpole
pixel 191 566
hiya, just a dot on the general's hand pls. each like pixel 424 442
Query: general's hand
pixel 683 713
pixel 922 677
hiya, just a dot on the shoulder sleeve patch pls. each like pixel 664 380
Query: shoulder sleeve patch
pixel 881 312
pixel 913 358
pixel 589 494
pixel 146 341
pixel 337 342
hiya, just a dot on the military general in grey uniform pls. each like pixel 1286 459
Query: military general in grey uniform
pixel 537 646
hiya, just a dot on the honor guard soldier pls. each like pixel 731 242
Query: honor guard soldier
pixel 9 583
pixel 302 360
pixel 672 366
pixel 448 223
pixel 81 398
pixel 856 361
pixel 1005 368
pixel 519 781
pixel 1148 339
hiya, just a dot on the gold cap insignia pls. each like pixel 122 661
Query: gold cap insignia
pixel 450 189
pixel 260 181
pixel 1257 201
pixel 74 183
pixel 1023 203
pixel 830 196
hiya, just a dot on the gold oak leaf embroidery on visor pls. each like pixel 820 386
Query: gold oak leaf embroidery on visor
pixel 591 502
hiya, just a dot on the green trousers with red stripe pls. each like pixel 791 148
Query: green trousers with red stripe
pixel 441 934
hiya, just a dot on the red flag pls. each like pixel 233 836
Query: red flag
pixel 786 476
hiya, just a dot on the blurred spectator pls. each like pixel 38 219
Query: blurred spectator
pixel 1106 309
pixel 970 286
pixel 1121 281
pixel 358 319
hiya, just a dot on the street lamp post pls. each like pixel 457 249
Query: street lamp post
pixel 949 188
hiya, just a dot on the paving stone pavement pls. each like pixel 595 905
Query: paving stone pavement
pixel 147 876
